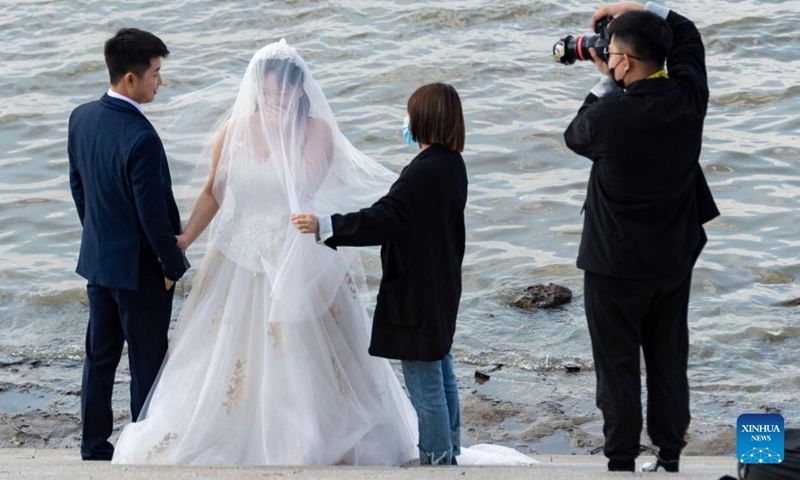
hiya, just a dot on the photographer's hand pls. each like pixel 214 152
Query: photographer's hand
pixel 601 64
pixel 614 10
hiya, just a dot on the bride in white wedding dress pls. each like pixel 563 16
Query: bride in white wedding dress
pixel 268 363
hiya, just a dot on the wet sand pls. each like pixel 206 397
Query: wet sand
pixel 545 413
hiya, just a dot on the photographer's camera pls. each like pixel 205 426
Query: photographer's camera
pixel 569 48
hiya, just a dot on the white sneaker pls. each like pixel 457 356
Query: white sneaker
pixel 661 466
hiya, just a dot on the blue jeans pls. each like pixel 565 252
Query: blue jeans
pixel 434 395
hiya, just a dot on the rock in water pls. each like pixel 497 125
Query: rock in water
pixel 541 296
pixel 481 378
pixel 790 303
pixel 6 360
pixel 572 367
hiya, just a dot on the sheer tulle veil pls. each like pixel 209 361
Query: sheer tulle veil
pixel 280 129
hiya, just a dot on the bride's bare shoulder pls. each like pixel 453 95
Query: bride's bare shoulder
pixel 319 127
pixel 255 119
pixel 240 121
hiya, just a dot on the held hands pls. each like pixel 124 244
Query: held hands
pixel 168 284
pixel 183 242
pixel 614 10
pixel 306 222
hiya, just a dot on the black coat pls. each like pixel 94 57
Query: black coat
pixel 420 227
pixel 122 189
pixel 647 197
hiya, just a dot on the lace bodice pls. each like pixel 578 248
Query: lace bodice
pixel 254 216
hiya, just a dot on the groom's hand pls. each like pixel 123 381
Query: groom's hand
pixel 306 222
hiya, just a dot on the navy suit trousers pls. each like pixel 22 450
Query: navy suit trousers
pixel 140 318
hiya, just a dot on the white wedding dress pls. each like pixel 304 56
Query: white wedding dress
pixel 244 384
pixel 268 362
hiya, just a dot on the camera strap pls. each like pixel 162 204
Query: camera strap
pixel 659 74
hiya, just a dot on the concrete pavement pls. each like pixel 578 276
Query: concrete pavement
pixel 63 464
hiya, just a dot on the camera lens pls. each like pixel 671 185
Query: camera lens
pixel 569 49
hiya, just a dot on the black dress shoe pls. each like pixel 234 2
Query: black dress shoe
pixel 96 456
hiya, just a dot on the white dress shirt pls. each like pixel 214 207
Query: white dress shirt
pixel 325 229
pixel 113 94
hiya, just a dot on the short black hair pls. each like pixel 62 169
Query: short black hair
pixel 132 50
pixel 645 34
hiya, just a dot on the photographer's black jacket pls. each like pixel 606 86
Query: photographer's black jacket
pixel 647 197
pixel 420 227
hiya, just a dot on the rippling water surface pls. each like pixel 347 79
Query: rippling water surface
pixel 526 188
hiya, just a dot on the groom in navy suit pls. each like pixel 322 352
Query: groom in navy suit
pixel 122 189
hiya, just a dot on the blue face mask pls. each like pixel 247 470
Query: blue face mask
pixel 407 134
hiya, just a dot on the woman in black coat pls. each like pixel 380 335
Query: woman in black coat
pixel 420 227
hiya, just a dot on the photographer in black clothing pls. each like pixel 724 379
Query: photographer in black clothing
pixel 646 202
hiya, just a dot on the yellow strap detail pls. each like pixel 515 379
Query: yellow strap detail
pixel 659 74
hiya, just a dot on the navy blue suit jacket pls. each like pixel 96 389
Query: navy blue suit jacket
pixel 122 189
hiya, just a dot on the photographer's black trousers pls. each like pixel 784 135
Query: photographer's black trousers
pixel 624 316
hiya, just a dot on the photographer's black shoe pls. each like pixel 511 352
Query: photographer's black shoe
pixel 622 465
pixel 662 466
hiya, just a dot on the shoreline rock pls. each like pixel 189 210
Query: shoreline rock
pixel 790 303
pixel 541 296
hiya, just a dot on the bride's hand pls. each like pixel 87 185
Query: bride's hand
pixel 306 222
pixel 183 242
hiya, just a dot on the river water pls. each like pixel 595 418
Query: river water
pixel 526 190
